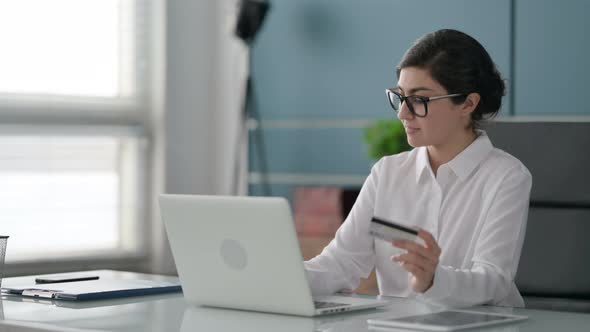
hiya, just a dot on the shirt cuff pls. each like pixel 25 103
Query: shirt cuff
pixel 441 287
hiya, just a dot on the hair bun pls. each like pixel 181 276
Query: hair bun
pixel 494 84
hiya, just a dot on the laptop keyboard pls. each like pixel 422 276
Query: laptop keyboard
pixel 323 305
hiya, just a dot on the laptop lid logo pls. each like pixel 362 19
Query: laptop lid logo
pixel 233 254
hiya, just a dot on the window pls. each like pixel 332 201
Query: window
pixel 74 115
pixel 66 47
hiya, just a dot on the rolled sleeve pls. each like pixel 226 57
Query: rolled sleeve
pixel 350 256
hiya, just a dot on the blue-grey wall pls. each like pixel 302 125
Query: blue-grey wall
pixel 552 57
pixel 320 68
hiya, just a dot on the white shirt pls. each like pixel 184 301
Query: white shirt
pixel 476 208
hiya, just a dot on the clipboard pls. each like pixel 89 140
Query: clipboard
pixel 103 288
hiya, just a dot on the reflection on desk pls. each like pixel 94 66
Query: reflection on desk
pixel 171 313
pixel 213 319
pixel 217 319
pixel 84 304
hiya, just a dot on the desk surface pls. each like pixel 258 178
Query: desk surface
pixel 171 313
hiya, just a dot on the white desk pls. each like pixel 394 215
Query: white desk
pixel 170 313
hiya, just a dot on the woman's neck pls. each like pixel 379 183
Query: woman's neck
pixel 441 154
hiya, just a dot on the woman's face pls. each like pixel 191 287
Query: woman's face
pixel 444 120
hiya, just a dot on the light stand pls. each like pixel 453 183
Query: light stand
pixel 250 18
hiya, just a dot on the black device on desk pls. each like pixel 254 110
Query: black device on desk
pixel 65 278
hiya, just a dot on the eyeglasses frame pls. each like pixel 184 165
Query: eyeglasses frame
pixel 425 100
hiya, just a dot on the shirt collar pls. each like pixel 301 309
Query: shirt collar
pixel 465 162
pixel 422 163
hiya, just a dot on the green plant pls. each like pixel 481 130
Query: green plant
pixel 386 137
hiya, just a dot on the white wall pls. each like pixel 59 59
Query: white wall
pixel 204 71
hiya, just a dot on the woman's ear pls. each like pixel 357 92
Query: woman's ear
pixel 470 103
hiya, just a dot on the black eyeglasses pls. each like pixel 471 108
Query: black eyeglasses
pixel 418 105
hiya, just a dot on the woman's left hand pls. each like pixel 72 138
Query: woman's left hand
pixel 420 261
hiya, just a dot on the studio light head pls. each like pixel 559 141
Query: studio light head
pixel 250 18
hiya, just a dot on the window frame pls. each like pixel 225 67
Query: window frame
pixel 128 116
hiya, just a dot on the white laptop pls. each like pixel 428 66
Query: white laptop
pixel 243 253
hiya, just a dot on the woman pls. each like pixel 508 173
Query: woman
pixel 468 200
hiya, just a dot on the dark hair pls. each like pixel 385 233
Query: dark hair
pixel 462 65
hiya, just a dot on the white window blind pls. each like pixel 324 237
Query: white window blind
pixel 67 47
pixel 75 120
